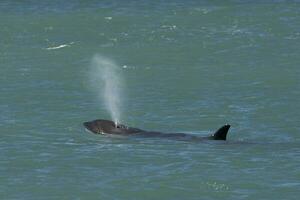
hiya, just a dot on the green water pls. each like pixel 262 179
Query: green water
pixel 188 66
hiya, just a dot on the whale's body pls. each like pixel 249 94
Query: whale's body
pixel 101 126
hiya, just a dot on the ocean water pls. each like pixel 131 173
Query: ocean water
pixel 187 66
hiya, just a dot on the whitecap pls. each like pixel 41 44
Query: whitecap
pixel 60 46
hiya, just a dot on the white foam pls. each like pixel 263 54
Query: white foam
pixel 60 46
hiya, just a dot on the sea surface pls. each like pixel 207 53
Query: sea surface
pixel 186 66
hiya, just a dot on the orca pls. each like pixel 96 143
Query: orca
pixel 102 126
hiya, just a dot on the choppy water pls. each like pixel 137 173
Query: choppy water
pixel 189 66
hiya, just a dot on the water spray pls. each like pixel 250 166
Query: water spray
pixel 107 79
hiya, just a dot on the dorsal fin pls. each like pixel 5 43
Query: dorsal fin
pixel 221 133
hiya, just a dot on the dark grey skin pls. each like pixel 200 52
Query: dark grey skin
pixel 101 126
